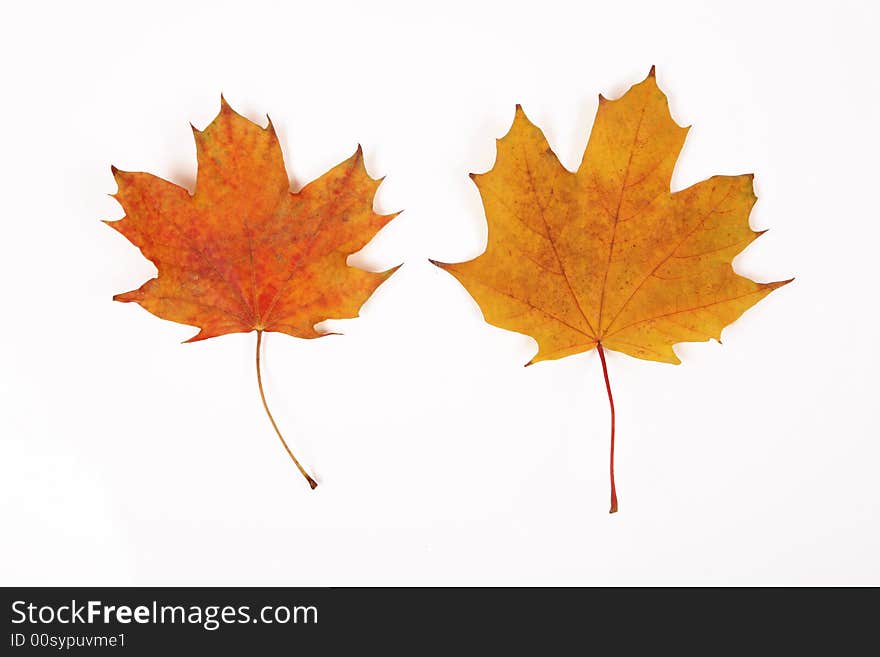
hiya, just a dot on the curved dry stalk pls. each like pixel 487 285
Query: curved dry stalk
pixel 312 483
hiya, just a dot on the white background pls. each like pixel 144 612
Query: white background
pixel 128 458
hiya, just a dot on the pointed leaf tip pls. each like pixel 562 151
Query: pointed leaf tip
pixel 653 72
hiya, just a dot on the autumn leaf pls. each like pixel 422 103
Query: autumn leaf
pixel 244 253
pixel 608 257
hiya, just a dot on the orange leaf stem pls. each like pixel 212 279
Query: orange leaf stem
pixel 312 483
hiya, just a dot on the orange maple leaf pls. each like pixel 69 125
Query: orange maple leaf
pixel 608 257
pixel 244 253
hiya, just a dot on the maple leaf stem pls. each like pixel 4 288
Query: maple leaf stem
pixel 312 483
pixel 611 403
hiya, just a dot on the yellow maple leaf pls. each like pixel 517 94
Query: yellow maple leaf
pixel 608 257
